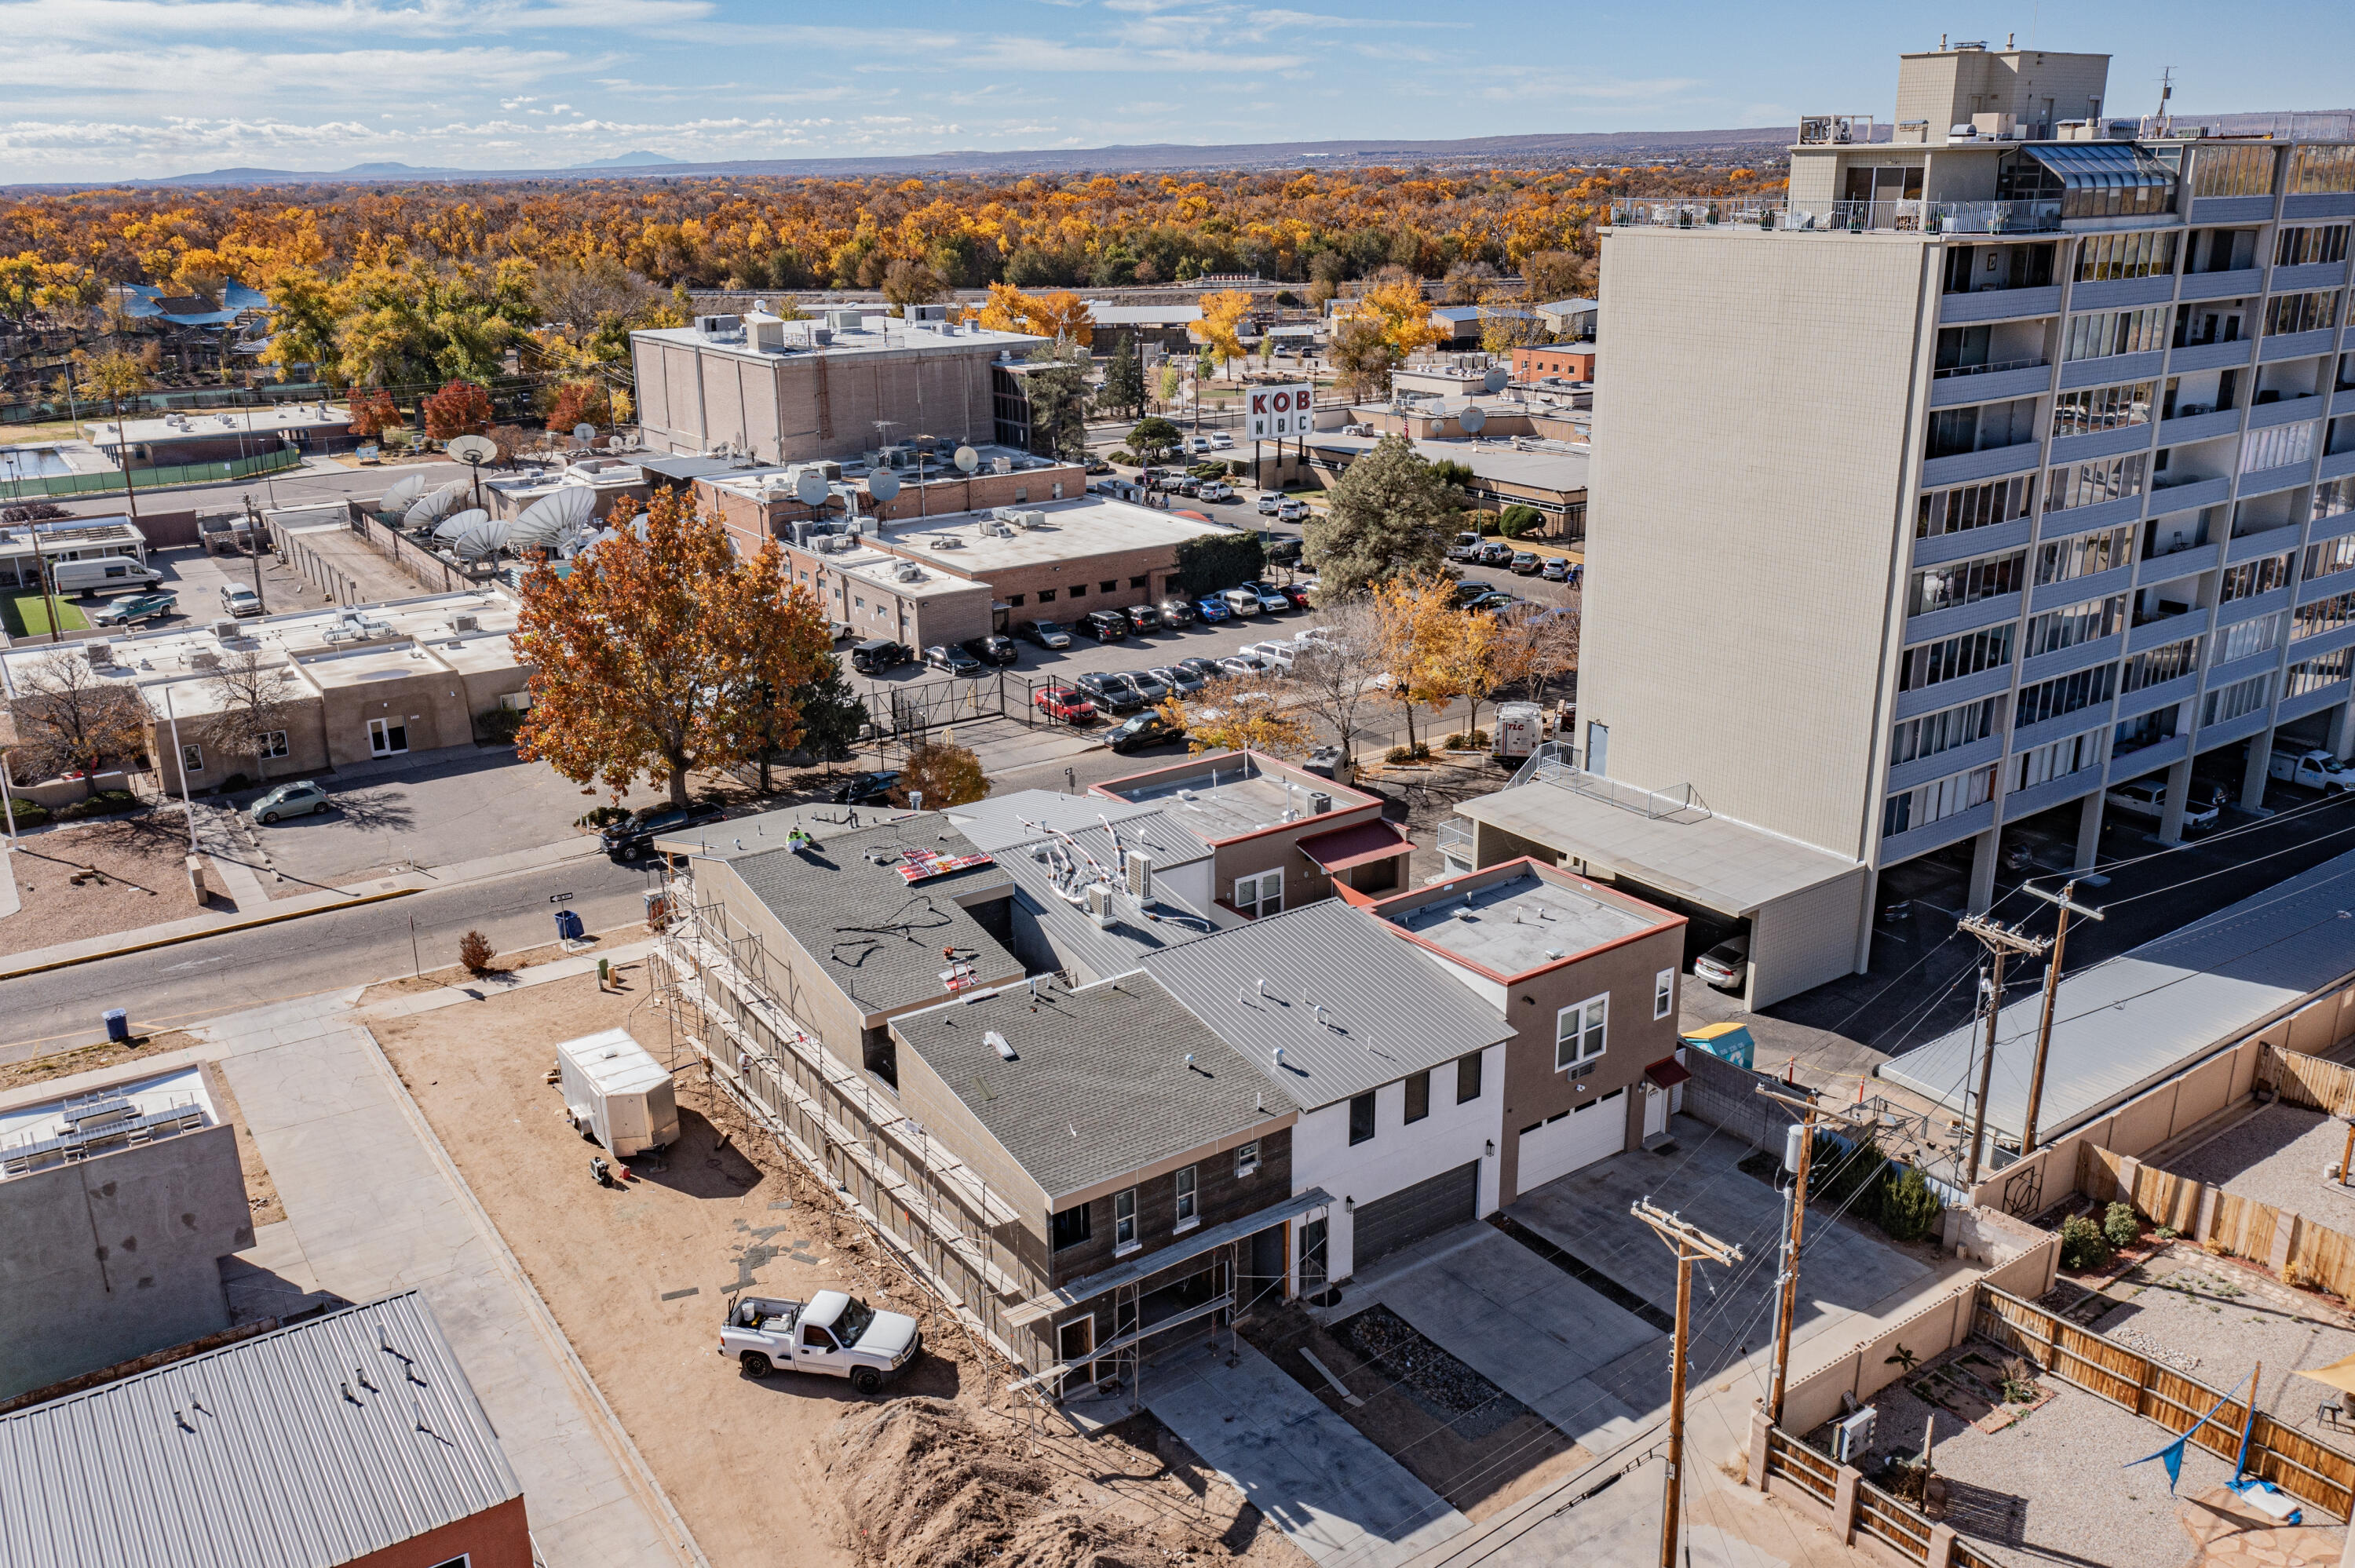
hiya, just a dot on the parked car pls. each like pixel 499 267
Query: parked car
pixel 1272 598
pixel 832 1334
pixel 1183 682
pixel 1149 686
pixel 1241 602
pixel 1556 570
pixel 992 649
pixel 240 601
pixel 860 789
pixel 1098 465
pixel 1472 589
pixel 1177 613
pixel 2291 764
pixel 1217 490
pixel 2147 798
pixel 299 799
pixel 1726 966
pixel 1222 441
pixel 102 575
pixel 1292 511
pixel 1047 634
pixel 1244 665
pixel 1199 669
pixel 951 658
pixel 1064 703
pixel 1494 603
pixel 1276 655
pixel 1212 608
pixel 1143 618
pixel 877 656
pixel 1105 625
pixel 1297 594
pixel 1467 547
pixel 137 609
pixel 1526 563
pixel 635 834
pixel 1199 444
pixel 1143 730
pixel 1497 552
pixel 1270 503
pixel 1111 692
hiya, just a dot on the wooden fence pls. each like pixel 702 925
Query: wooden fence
pixel 2298 1464
pixel 1857 1506
pixel 2308 1080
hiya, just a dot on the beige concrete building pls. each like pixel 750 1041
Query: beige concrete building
pixel 2011 462
pixel 782 391
pixel 360 686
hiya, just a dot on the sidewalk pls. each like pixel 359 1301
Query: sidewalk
pixel 373 1207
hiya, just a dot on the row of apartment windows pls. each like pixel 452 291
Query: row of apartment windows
pixel 1966 582
pixel 2329 558
pixel 2105 333
pixel 2306 246
pixel 1936 801
pixel 2153 666
pixel 2333 496
pixel 2250 579
pixel 2316 673
pixel 2322 171
pixel 2311 311
pixel 1942 731
pixel 2072 624
pixel 2237 699
pixel 2060 759
pixel 2082 555
pixel 2093 408
pixel 2146 729
pixel 2233 172
pixel 2278 447
pixel 2063 694
pixel 1953 657
pixel 272 744
pixel 1072 1226
pixel 2323 615
pixel 2248 639
pixel 2090 484
pixel 2108 257
pixel 1975 506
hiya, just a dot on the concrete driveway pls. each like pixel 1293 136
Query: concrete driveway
pixel 1334 1494
pixel 1845 1270
pixel 1559 1347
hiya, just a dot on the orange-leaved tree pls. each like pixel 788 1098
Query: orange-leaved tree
pixel 1405 316
pixel 373 413
pixel 1062 315
pixel 459 409
pixel 1221 328
pixel 580 402
pixel 664 652
pixel 1416 625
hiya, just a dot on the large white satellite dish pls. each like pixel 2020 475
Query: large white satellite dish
pixel 482 538
pixel 1497 377
pixel 810 488
pixel 967 459
pixel 457 524
pixel 473 451
pixel 584 434
pixel 883 486
pixel 432 506
pixel 546 520
pixel 402 493
pixel 1472 420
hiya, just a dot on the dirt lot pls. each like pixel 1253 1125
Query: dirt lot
pixel 142 879
pixel 639 1279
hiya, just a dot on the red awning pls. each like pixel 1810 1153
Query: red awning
pixel 1356 844
pixel 1668 1071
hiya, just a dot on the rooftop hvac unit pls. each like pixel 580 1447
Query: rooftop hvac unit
pixel 720 326
pixel 225 629
pixel 820 337
pixel 465 622
pixel 1100 904
pixel 100 655
pixel 204 659
pixel 846 321
pixel 1319 802
pixel 1140 875
pixel 517 702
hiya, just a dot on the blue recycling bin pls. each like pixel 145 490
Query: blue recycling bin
pixel 118 1025
pixel 568 926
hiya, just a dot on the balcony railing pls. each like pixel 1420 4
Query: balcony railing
pixel 1953 370
pixel 1840 216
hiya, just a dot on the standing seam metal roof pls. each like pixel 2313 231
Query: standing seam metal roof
pixel 305 1448
pixel 1386 1013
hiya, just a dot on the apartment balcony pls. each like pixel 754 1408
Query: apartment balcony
pixel 2130 761
pixel 2085 446
pixel 2200 427
pixel 2096 515
pixel 2251 544
pixel 2173 494
pixel 1453 842
pixel 2313 275
pixel 1940 548
pixel 2256 605
pixel 1964 468
pixel 2113 368
pixel 2284 346
pixel 1904 846
pixel 2162 694
pixel 2191 356
pixel 2337 465
pixel 2312 208
pixel 2167 564
pixel 2285 410
pixel 1998 304
pixel 2232 209
pixel 2077 590
pixel 1957 619
pixel 2342 398
pixel 2231 730
pixel 2051 793
pixel 1928 217
pixel 2247 281
pixel 2123 293
pixel 2313 702
pixel 1990 383
pixel 2171 622
pixel 2288 476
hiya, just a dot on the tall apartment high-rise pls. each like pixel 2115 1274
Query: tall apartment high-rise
pixel 2008 461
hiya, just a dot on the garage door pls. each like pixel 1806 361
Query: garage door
pixel 1596 1130
pixel 1450 1198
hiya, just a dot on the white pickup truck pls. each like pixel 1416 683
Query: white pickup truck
pixel 2316 769
pixel 832 1334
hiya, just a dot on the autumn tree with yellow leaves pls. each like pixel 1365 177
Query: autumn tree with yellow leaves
pixel 661 654
pixel 1221 328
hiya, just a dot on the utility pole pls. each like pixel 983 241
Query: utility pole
pixel 1800 1163
pixel 253 527
pixel 2066 900
pixel 123 447
pixel 2001 941
pixel 1690 1242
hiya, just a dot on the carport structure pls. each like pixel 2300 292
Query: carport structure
pixel 1804 909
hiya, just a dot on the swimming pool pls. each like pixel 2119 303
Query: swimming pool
pixel 32 462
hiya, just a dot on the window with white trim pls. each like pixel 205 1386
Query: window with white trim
pixel 1246 1159
pixel 1579 1033
pixel 274 743
pixel 1188 1214
pixel 1663 992
pixel 1124 1219
pixel 1261 895
pixel 192 757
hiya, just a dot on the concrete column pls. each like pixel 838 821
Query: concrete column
pixel 1983 864
pixel 1941 1545
pixel 2179 795
pixel 1844 1503
pixel 2253 771
pixel 1761 1426
pixel 2089 832
pixel 2342 731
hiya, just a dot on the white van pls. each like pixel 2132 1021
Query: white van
pixel 106 572
pixel 1241 602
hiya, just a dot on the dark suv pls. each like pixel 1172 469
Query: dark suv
pixel 1105 625
pixel 632 838
pixel 1175 612
pixel 872 658
pixel 992 649
pixel 1143 618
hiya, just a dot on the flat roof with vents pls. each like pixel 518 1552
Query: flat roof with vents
pixel 1511 924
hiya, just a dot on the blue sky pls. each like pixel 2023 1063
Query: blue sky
pixel 99 89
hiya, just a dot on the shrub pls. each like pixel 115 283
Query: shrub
pixel 498 727
pixel 29 813
pixel 600 816
pixel 2082 1245
pixel 1483 522
pixel 1414 753
pixel 475 952
pixel 2121 1226
pixel 1910 1209
pixel 1519 520
pixel 1477 741
pixel 2298 1276
pixel 1122 456
pixel 105 803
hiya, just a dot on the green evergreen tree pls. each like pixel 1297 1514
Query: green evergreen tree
pixel 1057 390
pixel 1386 519
pixel 1154 438
pixel 1123 383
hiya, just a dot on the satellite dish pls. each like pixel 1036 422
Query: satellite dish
pixel 402 493
pixel 883 486
pixel 431 506
pixel 584 434
pixel 1472 420
pixel 967 459
pixel 483 538
pixel 614 443
pixel 474 450
pixel 545 520
pixel 1496 379
pixel 451 528
pixel 810 488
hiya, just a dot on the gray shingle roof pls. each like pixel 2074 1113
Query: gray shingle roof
pixel 1387 1013
pixel 1099 1085
pixel 1114 950
pixel 875 935
pixel 275 1450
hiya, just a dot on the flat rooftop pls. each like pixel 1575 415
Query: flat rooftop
pixel 880 334
pixel 279 417
pixel 1520 924
pixel 774 481
pixel 897 574
pixel 43 1133
pixel 1074 527
pixel 1228 795
pixel 1563 470
pixel 739 836
pixel 78 533
pixel 1002 822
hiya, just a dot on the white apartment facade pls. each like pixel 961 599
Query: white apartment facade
pixel 2010 460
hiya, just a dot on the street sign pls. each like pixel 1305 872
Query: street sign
pixel 1272 413
pixel 559 898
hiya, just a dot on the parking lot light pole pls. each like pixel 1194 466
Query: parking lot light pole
pixel 2066 900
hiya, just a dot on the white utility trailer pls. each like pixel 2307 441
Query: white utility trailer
pixel 617 1093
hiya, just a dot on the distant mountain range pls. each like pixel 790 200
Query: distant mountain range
pixel 628 161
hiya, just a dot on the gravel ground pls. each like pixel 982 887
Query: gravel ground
pixel 2278 1157
pixel 1445 1387
pixel 2049 1490
pixel 2229 1321
pixel 143 862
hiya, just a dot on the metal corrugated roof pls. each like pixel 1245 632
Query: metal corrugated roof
pixel 1385 1014
pixel 2122 1026
pixel 312 1445
pixel 2100 165
pixel 1000 821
